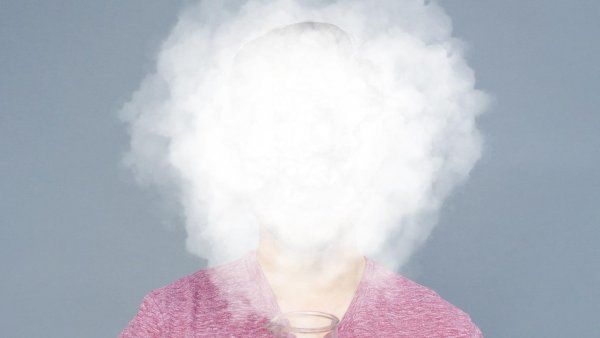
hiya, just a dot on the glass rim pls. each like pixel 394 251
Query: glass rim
pixel 334 321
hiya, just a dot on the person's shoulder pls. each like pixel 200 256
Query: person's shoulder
pixel 411 304
pixel 171 309
pixel 201 285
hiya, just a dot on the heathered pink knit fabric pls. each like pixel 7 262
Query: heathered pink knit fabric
pixel 235 300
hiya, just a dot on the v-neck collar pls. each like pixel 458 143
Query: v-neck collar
pixel 270 299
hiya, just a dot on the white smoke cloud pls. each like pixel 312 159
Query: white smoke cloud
pixel 362 125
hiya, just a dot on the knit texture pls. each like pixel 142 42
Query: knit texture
pixel 235 300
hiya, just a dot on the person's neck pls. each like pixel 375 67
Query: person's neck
pixel 323 281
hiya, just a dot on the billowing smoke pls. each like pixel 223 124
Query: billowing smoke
pixel 311 119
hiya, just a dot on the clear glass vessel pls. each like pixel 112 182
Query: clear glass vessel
pixel 304 324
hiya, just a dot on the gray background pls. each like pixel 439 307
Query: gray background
pixel 81 244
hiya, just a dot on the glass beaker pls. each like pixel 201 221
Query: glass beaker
pixel 304 324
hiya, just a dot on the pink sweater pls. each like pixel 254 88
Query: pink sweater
pixel 235 300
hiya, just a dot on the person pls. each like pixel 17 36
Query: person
pixel 238 299
pixel 298 266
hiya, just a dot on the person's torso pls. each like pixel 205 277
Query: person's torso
pixel 235 300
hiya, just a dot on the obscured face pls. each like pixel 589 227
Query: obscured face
pixel 291 93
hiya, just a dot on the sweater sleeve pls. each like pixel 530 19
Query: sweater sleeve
pixel 147 322
pixel 474 331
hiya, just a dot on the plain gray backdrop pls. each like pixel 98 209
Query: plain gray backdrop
pixel 81 244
